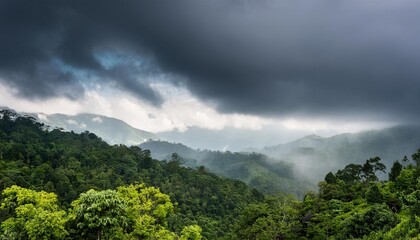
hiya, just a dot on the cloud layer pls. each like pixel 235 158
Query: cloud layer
pixel 297 58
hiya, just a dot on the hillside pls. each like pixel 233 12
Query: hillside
pixel 314 155
pixel 111 130
pixel 257 170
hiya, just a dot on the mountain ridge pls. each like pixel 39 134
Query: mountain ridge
pixel 112 130
pixel 313 155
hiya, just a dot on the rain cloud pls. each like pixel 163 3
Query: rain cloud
pixel 319 58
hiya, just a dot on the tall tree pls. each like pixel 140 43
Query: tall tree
pixel 416 158
pixel 99 214
pixel 395 171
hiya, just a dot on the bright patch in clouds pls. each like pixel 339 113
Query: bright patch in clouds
pixel 326 128
pixel 179 111
pixel 73 122
pixel 97 119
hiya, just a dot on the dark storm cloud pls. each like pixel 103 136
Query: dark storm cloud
pixel 302 58
pixel 49 48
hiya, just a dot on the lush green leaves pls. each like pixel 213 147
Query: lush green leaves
pixel 132 212
pixel 276 218
pixel 98 212
pixel 34 215
pixel 191 233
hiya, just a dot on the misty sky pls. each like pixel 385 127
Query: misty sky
pixel 323 66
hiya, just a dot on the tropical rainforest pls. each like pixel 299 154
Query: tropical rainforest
pixel 255 169
pixel 63 185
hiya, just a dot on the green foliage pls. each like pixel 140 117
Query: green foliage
pixel 147 210
pixel 98 214
pixel 191 233
pixel 416 158
pixel 376 218
pixel 33 215
pixel 374 195
pixel 257 170
pixel 350 174
pixel 370 168
pixel 273 219
pixel 406 180
pixel 357 206
pixel 330 178
pixel 395 171
pixel 131 212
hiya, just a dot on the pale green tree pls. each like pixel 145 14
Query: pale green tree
pixel 34 215
pixel 192 232
pixel 148 209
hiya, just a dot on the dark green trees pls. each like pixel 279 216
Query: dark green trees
pixel 354 204
pixel 416 158
pixel 395 171
pixel 276 218
pixel 375 219
pixel 370 168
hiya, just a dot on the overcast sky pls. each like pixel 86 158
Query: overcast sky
pixel 322 65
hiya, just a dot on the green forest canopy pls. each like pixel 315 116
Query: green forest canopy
pixel 58 185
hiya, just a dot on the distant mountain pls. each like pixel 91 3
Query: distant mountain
pixel 255 169
pixel 111 130
pixel 315 156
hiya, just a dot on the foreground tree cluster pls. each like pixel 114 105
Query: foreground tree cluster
pixel 132 212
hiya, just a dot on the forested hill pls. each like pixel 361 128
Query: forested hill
pixel 69 164
pixel 111 130
pixel 255 169
pixel 315 155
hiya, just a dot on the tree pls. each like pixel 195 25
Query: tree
pixel 370 168
pixel 274 219
pixel 148 209
pixel 99 213
pixel 416 158
pixel 374 195
pixel 378 217
pixel 192 232
pixel 406 180
pixel 395 171
pixel 350 174
pixel 175 163
pixel 412 201
pixel 35 215
pixel 330 178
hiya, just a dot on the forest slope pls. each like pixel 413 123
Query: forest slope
pixel 255 169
